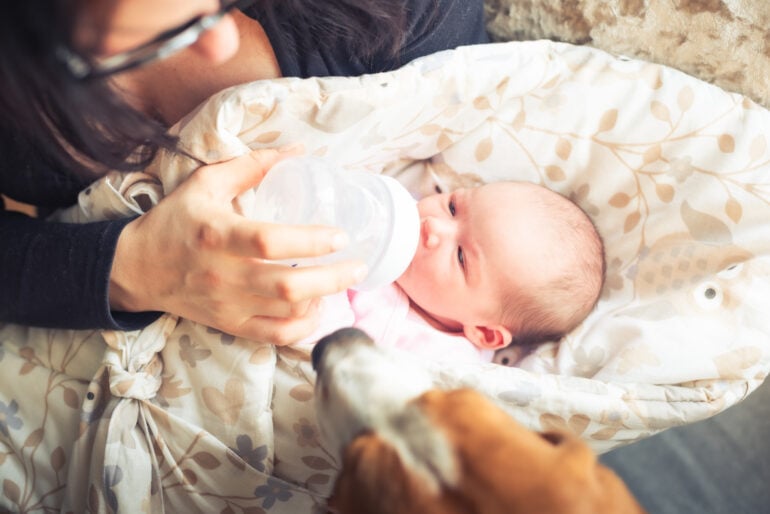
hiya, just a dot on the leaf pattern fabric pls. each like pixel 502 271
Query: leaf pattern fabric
pixel 675 172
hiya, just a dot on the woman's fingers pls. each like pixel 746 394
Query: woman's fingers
pixel 298 284
pixel 279 331
pixel 275 308
pixel 275 242
pixel 245 321
pixel 237 175
pixel 195 256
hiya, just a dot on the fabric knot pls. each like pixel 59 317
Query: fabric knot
pixel 132 362
pixel 137 385
pixel 141 384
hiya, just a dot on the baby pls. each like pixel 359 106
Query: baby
pixel 503 262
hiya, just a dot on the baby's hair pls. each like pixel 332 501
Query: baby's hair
pixel 561 303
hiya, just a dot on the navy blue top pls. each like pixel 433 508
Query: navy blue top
pixel 57 274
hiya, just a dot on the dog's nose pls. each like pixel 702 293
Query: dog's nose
pixel 318 350
pixel 349 335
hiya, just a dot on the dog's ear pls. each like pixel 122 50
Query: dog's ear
pixel 584 483
pixel 363 483
pixel 490 338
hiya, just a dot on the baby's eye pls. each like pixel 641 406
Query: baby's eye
pixel 460 257
pixel 452 209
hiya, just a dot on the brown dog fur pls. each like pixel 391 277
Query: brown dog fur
pixel 503 469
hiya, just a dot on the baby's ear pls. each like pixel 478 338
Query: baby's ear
pixel 489 338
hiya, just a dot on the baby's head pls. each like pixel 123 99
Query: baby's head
pixel 504 261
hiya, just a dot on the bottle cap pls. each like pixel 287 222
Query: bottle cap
pixel 401 243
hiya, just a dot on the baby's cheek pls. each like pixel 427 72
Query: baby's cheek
pixel 406 277
pixel 417 261
pixel 414 279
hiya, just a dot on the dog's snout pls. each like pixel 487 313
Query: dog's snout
pixel 318 351
pixel 348 334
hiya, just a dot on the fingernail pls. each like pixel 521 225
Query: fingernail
pixel 340 241
pixel 360 273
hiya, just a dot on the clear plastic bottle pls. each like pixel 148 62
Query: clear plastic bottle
pixel 378 214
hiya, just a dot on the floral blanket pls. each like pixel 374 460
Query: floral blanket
pixel 675 172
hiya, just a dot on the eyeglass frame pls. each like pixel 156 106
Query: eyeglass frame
pixel 160 47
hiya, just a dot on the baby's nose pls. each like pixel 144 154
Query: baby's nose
pixel 433 230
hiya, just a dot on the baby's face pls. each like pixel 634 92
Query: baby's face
pixel 477 247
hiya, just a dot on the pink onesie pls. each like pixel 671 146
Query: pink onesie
pixel 385 315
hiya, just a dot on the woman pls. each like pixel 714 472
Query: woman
pixel 87 86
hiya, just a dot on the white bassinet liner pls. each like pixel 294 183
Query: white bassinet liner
pixel 675 173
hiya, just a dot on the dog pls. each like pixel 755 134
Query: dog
pixel 408 448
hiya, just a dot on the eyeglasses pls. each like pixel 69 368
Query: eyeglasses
pixel 162 46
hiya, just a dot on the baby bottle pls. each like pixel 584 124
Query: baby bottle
pixel 378 214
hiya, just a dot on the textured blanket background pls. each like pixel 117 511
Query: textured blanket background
pixel 725 42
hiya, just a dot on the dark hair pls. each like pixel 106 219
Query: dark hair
pixel 365 27
pixel 81 125
pixel 87 126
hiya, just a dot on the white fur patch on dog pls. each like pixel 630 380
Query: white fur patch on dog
pixel 362 387
pixel 422 447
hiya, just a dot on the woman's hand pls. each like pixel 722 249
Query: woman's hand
pixel 194 256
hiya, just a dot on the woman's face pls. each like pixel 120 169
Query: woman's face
pixel 108 27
